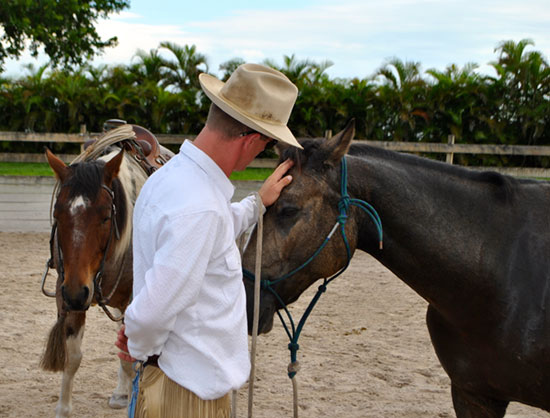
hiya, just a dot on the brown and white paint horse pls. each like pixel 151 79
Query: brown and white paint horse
pixel 92 253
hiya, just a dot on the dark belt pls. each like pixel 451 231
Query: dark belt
pixel 152 361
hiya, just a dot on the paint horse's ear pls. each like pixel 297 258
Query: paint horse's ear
pixel 58 166
pixel 337 146
pixel 112 167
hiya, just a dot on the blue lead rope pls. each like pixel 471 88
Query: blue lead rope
pixel 343 206
pixel 135 389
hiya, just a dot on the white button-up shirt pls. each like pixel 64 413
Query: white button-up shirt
pixel 189 301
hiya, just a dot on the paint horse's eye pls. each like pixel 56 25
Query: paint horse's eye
pixel 107 219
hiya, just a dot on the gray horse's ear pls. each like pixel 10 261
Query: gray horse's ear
pixel 281 147
pixel 338 146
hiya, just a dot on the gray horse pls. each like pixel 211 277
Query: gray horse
pixel 474 245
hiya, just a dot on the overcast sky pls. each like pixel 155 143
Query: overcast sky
pixel 358 36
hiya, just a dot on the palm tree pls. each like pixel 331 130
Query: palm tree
pixel 75 93
pixel 120 99
pixel 403 94
pixel 34 94
pixel 522 87
pixel 183 73
pixel 310 116
pixel 301 72
pixel 149 66
pixel 455 101
pixel 228 67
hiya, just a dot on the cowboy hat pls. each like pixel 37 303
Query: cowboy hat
pixel 257 96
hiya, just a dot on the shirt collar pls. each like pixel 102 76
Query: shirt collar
pixel 209 166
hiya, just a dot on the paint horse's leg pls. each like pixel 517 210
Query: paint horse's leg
pixel 469 405
pixel 74 328
pixel 120 396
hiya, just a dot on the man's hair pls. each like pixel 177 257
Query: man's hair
pixel 221 122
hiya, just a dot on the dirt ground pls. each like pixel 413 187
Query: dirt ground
pixel 365 351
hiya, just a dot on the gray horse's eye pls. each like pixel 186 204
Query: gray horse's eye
pixel 288 211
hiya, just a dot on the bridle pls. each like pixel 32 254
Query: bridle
pixel 98 278
pixel 343 206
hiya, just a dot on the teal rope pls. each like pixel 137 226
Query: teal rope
pixel 346 201
pixel 343 206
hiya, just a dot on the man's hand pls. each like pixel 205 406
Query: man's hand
pixel 122 344
pixel 275 183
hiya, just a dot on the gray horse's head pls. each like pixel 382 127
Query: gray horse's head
pixel 298 223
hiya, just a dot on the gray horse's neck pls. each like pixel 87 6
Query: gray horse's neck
pixel 446 229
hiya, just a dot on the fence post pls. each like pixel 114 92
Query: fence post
pixel 82 133
pixel 450 155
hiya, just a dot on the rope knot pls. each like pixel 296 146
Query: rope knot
pixel 343 204
pixel 323 288
pixel 293 347
pixel 293 368
pixel 342 218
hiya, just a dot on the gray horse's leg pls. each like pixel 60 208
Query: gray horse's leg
pixel 75 332
pixel 469 405
pixel 120 396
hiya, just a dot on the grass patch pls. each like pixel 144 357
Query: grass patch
pixel 43 169
pixel 258 174
pixel 25 169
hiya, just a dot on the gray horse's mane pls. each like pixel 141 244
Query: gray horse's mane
pixel 503 186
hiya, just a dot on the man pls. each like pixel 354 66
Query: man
pixel 187 320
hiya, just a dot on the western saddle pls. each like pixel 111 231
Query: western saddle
pixel 145 148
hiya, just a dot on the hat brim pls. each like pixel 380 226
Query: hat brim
pixel 212 87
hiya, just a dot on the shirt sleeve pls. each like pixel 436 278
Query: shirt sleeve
pixel 172 283
pixel 245 213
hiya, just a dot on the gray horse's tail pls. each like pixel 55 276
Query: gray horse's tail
pixel 54 356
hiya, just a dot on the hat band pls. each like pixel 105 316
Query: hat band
pixel 250 115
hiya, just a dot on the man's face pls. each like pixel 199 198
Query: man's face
pixel 257 144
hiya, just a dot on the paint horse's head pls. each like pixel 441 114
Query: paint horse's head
pixel 296 226
pixel 89 214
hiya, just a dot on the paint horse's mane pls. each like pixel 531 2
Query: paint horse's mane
pixel 86 179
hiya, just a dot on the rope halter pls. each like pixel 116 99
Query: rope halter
pixel 343 207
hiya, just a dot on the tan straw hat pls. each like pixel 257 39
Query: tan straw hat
pixel 257 96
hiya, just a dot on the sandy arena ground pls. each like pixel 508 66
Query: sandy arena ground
pixel 365 351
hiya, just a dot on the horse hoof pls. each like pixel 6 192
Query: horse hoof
pixel 118 401
pixel 62 411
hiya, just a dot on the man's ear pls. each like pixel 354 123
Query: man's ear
pixel 250 139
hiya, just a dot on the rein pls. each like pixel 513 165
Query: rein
pixel 98 278
pixel 343 206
